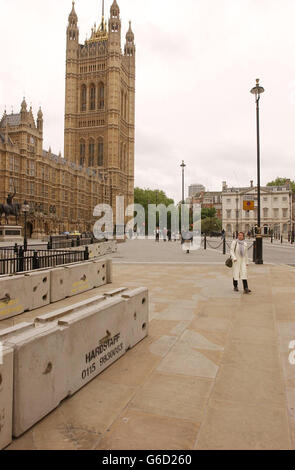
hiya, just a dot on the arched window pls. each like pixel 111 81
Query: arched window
pixel 91 153
pixel 100 152
pixel 82 152
pixel 101 96
pixel 92 97
pixel 83 98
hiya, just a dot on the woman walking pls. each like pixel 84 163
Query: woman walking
pixel 239 255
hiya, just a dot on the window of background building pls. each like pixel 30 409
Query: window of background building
pixel 100 152
pixel 83 98
pixel 91 153
pixel 101 96
pixel 92 97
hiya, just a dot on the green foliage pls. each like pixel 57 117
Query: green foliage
pixel 211 224
pixel 208 213
pixel 279 181
pixel 149 196
pixel 145 197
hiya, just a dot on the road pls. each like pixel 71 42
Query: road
pixel 148 251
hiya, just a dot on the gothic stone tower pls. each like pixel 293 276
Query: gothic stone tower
pixel 100 104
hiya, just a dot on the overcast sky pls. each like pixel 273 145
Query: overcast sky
pixel 196 63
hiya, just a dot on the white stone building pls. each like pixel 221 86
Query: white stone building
pixel 276 209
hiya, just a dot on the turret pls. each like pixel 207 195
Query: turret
pixel 40 121
pixel 23 111
pixel 72 29
pixel 129 46
pixel 115 26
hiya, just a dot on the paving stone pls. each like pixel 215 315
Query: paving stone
pixel 137 430
pixel 175 396
pixel 237 426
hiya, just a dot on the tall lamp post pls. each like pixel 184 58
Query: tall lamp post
pixel 257 91
pixel 25 209
pixel 183 167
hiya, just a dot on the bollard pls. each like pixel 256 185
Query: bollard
pixel 224 246
pixel 282 239
pixel 86 253
pixel 35 260
pixel 20 260
pixel 254 251
pixel 205 242
pixel 271 238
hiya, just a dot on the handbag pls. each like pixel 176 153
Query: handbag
pixel 229 261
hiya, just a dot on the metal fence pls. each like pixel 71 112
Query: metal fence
pixel 29 260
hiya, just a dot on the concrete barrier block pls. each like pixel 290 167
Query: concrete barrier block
pixel 137 315
pixel 61 312
pixel 40 375
pixel 99 268
pixel 80 278
pixel 114 292
pixel 58 284
pixel 19 328
pixel 40 285
pixel 109 271
pixel 6 394
pixel 96 338
pixel 15 296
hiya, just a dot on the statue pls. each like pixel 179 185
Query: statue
pixel 10 209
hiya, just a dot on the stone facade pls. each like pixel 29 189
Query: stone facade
pixel 276 209
pixel 98 162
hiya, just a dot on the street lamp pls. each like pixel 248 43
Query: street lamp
pixel 25 209
pixel 257 91
pixel 183 167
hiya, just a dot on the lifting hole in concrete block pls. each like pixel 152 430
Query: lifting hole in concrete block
pixel 45 280
pixel 135 316
pixel 144 326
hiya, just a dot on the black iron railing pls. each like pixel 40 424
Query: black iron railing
pixel 31 260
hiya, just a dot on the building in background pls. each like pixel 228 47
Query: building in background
pixel 195 189
pixel 208 200
pixel 276 209
pixel 98 164
pixel 100 103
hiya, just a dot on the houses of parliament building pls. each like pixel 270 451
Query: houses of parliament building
pixel 98 161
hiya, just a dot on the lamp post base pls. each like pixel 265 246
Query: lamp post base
pixel 259 250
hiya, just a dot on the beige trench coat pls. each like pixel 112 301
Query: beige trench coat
pixel 240 263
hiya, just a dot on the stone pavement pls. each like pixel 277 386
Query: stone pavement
pixel 213 374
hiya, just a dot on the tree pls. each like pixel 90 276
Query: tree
pixel 144 197
pixel 208 213
pixel 212 224
pixel 279 181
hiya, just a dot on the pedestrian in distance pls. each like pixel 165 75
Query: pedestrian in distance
pixel 239 256
pixel 157 235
